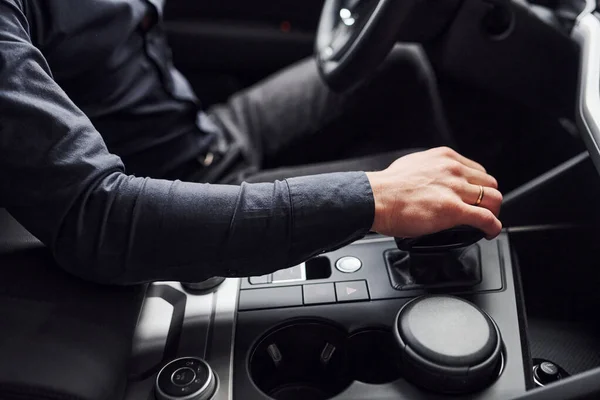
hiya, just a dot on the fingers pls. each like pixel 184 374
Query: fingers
pixel 492 198
pixel 462 159
pixel 477 177
pixel 483 219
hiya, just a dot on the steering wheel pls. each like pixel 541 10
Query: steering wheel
pixel 355 36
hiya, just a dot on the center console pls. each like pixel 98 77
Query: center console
pixel 367 321
pixel 363 329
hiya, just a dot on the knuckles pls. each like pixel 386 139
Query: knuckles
pixel 455 184
pixel 445 151
pixel 453 207
pixel 454 168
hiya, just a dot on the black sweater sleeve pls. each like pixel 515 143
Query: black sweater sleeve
pixel 60 181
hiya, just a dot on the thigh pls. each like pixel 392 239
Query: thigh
pixel 280 110
pixel 293 117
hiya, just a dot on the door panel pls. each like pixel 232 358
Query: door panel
pixel 223 46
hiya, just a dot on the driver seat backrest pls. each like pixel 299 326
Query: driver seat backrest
pixel 60 337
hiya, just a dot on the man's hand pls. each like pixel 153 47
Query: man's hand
pixel 430 191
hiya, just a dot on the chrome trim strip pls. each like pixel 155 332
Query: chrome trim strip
pixel 200 314
pixel 222 345
pixel 151 332
pixel 302 275
pixel 590 7
pixel 196 323
pixel 587 33
pixel 375 240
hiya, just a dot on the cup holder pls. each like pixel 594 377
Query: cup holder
pixel 302 360
pixel 374 356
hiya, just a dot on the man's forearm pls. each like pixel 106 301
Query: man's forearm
pixel 128 230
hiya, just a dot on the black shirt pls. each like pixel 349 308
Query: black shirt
pixel 112 60
pixel 72 68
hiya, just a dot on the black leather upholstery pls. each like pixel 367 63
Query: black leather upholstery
pixel 60 337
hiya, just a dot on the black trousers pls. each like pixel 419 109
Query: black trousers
pixel 291 124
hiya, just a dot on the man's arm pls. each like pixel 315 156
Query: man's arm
pixel 59 180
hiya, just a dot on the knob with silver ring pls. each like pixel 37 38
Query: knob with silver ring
pixel 348 264
pixel 187 378
pixel 546 372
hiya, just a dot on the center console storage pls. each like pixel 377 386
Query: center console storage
pixel 317 359
pixel 302 359
pixel 382 323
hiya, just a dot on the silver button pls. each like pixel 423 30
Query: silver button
pixel 348 265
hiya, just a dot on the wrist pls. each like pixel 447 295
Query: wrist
pixel 374 180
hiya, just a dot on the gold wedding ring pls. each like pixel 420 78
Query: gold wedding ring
pixel 481 194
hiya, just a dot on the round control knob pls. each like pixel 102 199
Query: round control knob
pixel 183 376
pixel 546 373
pixel 187 378
pixel 448 344
pixel 348 265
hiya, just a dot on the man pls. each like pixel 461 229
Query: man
pixel 80 77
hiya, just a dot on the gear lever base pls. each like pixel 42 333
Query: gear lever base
pixel 455 268
pixel 444 259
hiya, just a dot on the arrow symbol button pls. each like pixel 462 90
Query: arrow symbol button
pixel 351 291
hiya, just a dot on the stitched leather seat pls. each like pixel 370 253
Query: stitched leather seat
pixel 60 337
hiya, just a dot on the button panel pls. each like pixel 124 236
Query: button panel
pixel 351 291
pixel 319 293
pixel 260 280
pixel 296 273
pixel 293 274
pixel 258 299
pixel 299 295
